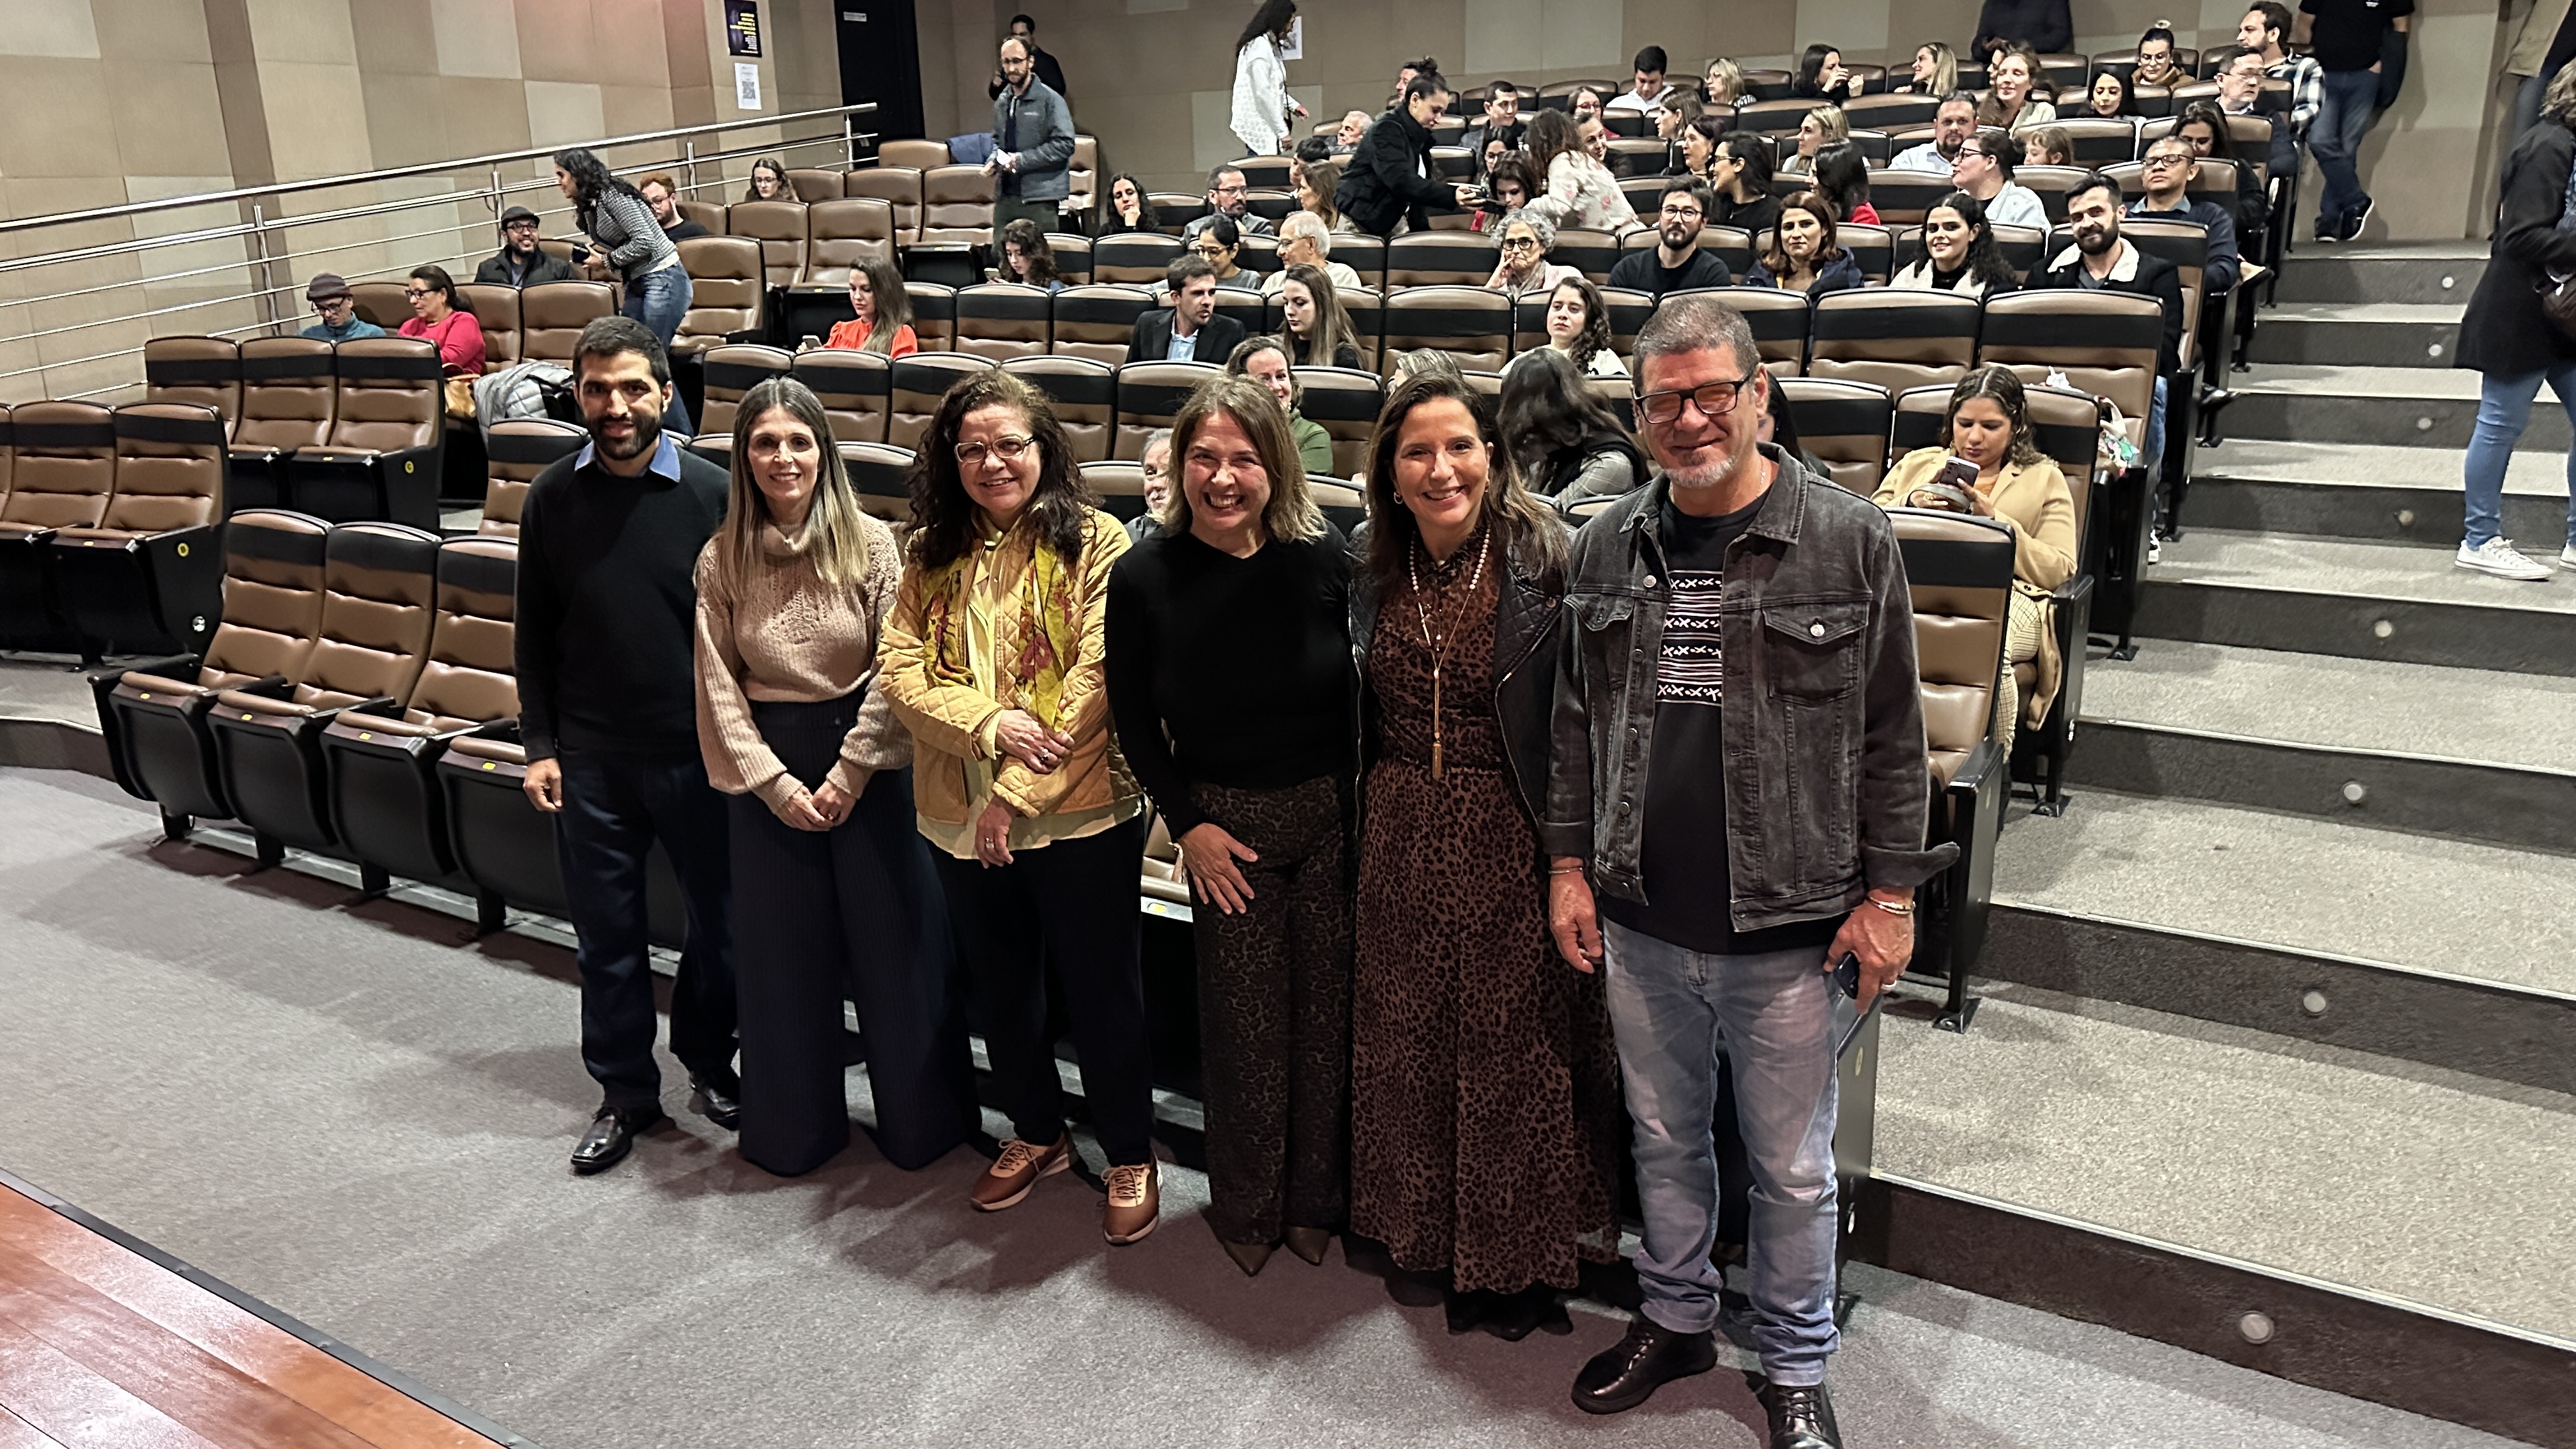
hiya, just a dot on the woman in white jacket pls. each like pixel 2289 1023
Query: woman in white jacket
pixel 1262 105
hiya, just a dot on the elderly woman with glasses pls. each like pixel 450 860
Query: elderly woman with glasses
pixel 992 658
pixel 1523 240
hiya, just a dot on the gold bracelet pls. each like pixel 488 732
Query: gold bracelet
pixel 1892 907
pixel 1565 870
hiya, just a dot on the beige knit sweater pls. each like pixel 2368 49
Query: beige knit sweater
pixel 781 635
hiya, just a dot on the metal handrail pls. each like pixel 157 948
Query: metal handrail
pixel 398 173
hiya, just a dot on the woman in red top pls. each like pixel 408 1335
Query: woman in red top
pixel 884 320
pixel 436 316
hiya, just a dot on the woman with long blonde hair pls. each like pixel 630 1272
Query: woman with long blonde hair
pixel 832 887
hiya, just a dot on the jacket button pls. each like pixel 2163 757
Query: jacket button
pixel 1650 581
pixel 1817 629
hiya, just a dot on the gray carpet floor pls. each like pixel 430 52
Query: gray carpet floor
pixel 357 1115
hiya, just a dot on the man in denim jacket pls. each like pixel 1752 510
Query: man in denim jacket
pixel 1738 771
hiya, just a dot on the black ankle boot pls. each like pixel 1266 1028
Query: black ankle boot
pixel 1801 1418
pixel 1627 1374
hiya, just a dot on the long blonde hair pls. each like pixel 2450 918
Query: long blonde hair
pixel 1290 515
pixel 835 529
pixel 1945 68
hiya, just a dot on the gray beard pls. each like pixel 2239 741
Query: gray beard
pixel 1711 475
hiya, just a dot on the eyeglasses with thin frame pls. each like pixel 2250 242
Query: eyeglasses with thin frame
pixel 1713 399
pixel 1682 213
pixel 1010 448
pixel 2158 160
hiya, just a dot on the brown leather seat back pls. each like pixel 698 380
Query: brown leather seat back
pixel 1844 425
pixel 779 227
pixel 1439 259
pixel 194 370
pixel 843 232
pixel 517 450
pixel 380 585
pixel 1150 395
pixel 286 393
pixel 552 314
pixel 2105 342
pixel 879 473
pixel 733 370
pixel 917 155
pixel 1896 339
pixel 920 381
pixel 1470 323
pixel 272 594
pixel 388 396
pixel 727 281
pixel 496 311
pixel 1960 570
pixel 708 214
pixel 1002 320
pixel 469 677
pixel 1085 395
pixel 956 205
pixel 383 303
pixel 1779 321
pixel 1345 404
pixel 1097 322
pixel 855 388
pixel 169 467
pixel 812 185
pixel 899 187
pixel 65 469
pixel 1134 259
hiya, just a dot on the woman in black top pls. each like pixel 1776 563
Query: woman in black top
pixel 1231 683
pixel 1740 174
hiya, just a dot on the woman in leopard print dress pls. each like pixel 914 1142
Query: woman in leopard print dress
pixel 1485 1109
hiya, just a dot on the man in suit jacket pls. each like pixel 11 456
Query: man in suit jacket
pixel 1189 330
pixel 2103 261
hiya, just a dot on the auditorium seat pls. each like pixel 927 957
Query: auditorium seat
pixel 1344 506
pixel 1367 310
pixel 203 370
pixel 387 421
pixel 1593 253
pixel 1248 309
pixel 1345 404
pixel 1882 112
pixel 1777 317
pixel 1098 321
pixel 552 315
pixel 708 214
pixel 880 474
pixel 1175 210
pixel 285 405
pixel 2105 342
pixel 1082 176
pixel 516 450
pixel 1085 395
pixel 2050 184
pixel 812 185
pixel 1468 322
pixel 380 583
pixel 899 187
pixel 62 476
pixel 1902 197
pixel 728 283
pixel 1150 395
pixel 1120 482
pixel 1641 157
pixel 779 227
pixel 149 578
pixel 841 233
pixel 152 713
pixel 1871 247
pixel 1960 572
pixel 731 371
pixel 1844 424
pixel 383 303
pixel 1440 259
pixel 956 206
pixel 918 155
pixel 2102 141
pixel 1002 320
pixel 1139 259
pixel 1645 195
pixel 920 381
pixel 1072 257
pixel 496 311
pixel 1896 339
pixel 380 759
pixel 1365 256
pixel 1271 205
pixel 854 387
pixel 1772 117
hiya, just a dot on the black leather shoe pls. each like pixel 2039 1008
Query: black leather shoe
pixel 1624 1376
pixel 1801 1418
pixel 718 1099
pixel 611 1136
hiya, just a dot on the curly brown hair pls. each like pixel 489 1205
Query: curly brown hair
pixel 944 516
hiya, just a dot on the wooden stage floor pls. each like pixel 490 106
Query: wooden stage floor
pixel 101 1346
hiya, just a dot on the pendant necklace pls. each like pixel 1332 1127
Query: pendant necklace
pixel 1438 642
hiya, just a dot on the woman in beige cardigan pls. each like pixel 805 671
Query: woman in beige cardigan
pixel 1989 425
pixel 833 890
pixel 993 658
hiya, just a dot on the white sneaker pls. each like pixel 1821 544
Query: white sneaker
pixel 2499 557
pixel 2567 557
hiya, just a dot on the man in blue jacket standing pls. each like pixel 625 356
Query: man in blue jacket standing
pixel 1032 144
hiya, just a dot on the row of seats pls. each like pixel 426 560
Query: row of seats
pixel 2059 69
pixel 343 431
pixel 107 526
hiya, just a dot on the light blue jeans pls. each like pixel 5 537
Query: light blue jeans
pixel 2334 138
pixel 2504 410
pixel 659 299
pixel 1674 1012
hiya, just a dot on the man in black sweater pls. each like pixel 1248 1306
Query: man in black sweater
pixel 1678 263
pixel 607 619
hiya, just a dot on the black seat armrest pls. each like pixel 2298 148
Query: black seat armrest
pixel 275 686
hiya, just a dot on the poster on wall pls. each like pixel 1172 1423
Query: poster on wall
pixel 742 26
pixel 1295 49
pixel 746 86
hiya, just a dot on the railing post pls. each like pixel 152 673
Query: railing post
pixel 689 149
pixel 267 266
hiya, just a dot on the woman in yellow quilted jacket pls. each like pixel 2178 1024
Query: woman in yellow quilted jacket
pixel 992 659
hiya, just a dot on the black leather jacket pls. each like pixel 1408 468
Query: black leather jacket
pixel 1528 617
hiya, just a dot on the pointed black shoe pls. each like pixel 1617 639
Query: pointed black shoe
pixel 719 1099
pixel 611 1136
pixel 1801 1418
pixel 1627 1374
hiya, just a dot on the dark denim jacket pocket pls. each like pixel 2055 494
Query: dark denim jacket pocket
pixel 1814 650
pixel 1599 611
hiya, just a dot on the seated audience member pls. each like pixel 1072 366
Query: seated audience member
pixel 1229 196
pixel 1124 208
pixel 2042 27
pixel 882 323
pixel 1220 244
pixel 2011 99
pixel 2240 93
pixel 2102 260
pixel 1522 242
pixel 1392 178
pixel 1959 253
pixel 1677 116
pixel 1739 177
pixel 1984 170
pixel 2156 61
pixel 1315 327
pixel 1584 104
pixel 1404 74
pixel 1576 190
pixel 1354 128
pixel 1508 188
pixel 1824 126
pixel 2107 98
pixel 1822 76
pixel 2171 163
pixel 1803 256
pixel 2047 146
pixel 436 316
pixel 1952 124
pixel 1305 242
pixel 1188 330
pixel 1578 325
pixel 769 181
pixel 1678 263
pixel 1311 151
pixel 1429 359
pixel 1315 198
pixel 1488 156
pixel 1935 72
pixel 1723 86
pixel 521 262
pixel 1650 93
pixel 1570 447
pixel 1988 424
pixel 1842 174
pixel 1694 147
pixel 1265 360
pixel 1502 120
pixel 337 306
pixel 662 193
pixel 2205 127
pixel 1026 257
pixel 1154 464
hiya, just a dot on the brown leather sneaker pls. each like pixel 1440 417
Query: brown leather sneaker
pixel 1135 1202
pixel 1018 1169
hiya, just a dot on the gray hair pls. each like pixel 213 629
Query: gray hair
pixel 2559 101
pixel 1540 227
pixel 1310 226
pixel 1689 323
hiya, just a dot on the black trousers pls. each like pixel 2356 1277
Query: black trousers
pixel 1070 906
pixel 1275 1014
pixel 852 912
pixel 615 805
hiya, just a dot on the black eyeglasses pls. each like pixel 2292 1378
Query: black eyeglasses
pixel 1711 398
